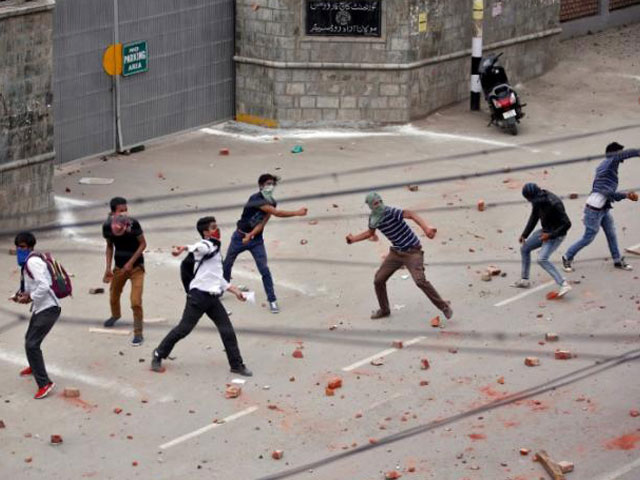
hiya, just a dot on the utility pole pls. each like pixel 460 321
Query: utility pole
pixel 476 53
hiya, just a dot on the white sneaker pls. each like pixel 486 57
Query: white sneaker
pixel 522 283
pixel 564 289
pixel 273 306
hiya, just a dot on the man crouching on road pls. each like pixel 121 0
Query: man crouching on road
pixel 405 250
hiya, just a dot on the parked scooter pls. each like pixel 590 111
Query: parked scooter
pixel 503 100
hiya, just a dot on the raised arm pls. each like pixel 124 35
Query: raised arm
pixel 271 210
pixel 428 230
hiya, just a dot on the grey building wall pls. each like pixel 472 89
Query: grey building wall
pixel 286 78
pixel 608 14
pixel 26 119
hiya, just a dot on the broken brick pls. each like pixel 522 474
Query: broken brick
pixel 377 362
pixel 71 392
pixel 2 425
pixel 424 383
pixel 524 451
pixel 96 291
pixel 493 270
pixel 563 355
pixel 397 344
pixel 551 337
pixel 453 350
pixel 393 474
pixel 224 151
pixel 552 295
pixel 272 407
pixel 411 469
pixel 565 466
pixel 486 277
pixel 481 205
pixel 424 364
pixel 134 463
pixel 500 380
pixel 573 195
pixel 532 361
pixel 303 241
pixel 277 454
pixel 297 353
pixel 329 392
pixel 335 383
pixel 435 321
pixel 28 460
pixel 413 188
pixel 358 415
pixel 232 391
pixel 56 439
pixel 633 413
pixel 117 411
pixel 373 441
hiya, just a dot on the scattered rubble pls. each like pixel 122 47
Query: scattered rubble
pixel 481 205
pixel 224 151
pixel 424 364
pixel 71 392
pixel 524 451
pixel 117 410
pixel 2 425
pixel 413 188
pixel 277 454
pixel 304 241
pixel 377 362
pixel 551 337
pixel 334 383
pixel 96 291
pixel 393 474
pixel 563 355
pixel 232 391
pixel 573 195
pixel 566 466
pixel 435 321
pixel 532 361
pixel 633 413
pixel 56 439
pixel 397 344
pixel 297 353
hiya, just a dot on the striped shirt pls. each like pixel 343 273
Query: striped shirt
pixel 396 230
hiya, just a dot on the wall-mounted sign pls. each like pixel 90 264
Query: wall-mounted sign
pixel 422 22
pixel 134 58
pixel 344 18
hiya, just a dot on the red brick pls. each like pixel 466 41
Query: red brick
pixel 500 380
pixel 56 439
pixel 565 466
pixel 435 321
pixel 224 151
pixel 297 353
pixel 411 469
pixel 277 454
pixel 551 337
pixel 117 410
pixel 334 383
pixel 532 361
pixel 424 383
pixel 373 441
pixel 424 364
pixel 28 460
pixel 329 392
pixel 397 344
pixel 573 195
pixel 233 391
pixel 392 475
pixel 134 463
pixel 524 451
pixel 634 413
pixel 71 392
pixel 2 425
pixel 481 205
pixel 563 355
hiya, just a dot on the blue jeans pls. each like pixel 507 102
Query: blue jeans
pixel 593 220
pixel 256 247
pixel 548 247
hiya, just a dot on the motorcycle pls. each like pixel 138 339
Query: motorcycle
pixel 504 104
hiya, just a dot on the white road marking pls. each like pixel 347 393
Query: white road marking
pixel 110 331
pixel 383 353
pixel 211 426
pixel 621 471
pixel 524 294
pixel 106 383
pixel 633 249
pixel 155 320
pixel 66 216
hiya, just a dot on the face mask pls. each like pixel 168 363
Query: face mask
pixel 216 234
pixel 377 210
pixel 21 255
pixel 267 192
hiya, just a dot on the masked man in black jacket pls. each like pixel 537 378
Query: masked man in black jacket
pixel 549 209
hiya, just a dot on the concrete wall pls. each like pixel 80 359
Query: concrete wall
pixel 26 117
pixel 579 20
pixel 287 78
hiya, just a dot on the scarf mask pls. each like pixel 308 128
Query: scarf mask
pixel 267 193
pixel 377 212
pixel 21 255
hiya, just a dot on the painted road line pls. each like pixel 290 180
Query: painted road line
pixel 634 249
pixel 524 294
pixel 621 471
pixel 381 354
pixel 202 430
pixel 110 331
pixel 155 320
pixel 106 383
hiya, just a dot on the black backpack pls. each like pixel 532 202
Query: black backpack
pixel 188 269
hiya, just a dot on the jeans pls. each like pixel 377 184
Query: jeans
pixel 593 220
pixel 136 276
pixel 256 247
pixel 39 326
pixel 414 261
pixel 199 303
pixel 548 247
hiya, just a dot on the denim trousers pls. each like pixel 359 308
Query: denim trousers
pixel 259 253
pixel 546 249
pixel 593 220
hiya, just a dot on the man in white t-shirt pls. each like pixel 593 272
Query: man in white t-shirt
pixel 35 288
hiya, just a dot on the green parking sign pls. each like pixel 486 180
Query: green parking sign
pixel 134 58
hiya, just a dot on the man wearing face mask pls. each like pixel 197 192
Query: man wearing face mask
pixel 405 251
pixel 248 236
pixel 36 287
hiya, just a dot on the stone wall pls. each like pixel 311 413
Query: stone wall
pixel 26 116
pixel 287 78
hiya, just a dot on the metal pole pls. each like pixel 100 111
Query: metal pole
pixel 476 53
pixel 116 32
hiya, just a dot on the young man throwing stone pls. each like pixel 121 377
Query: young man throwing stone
pixel 405 250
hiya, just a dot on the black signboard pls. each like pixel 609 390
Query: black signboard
pixel 344 18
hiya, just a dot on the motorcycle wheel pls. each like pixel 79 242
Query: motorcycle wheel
pixel 512 126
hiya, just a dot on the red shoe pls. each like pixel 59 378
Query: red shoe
pixel 44 391
pixel 26 371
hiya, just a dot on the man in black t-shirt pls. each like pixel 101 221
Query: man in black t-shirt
pixel 124 236
pixel 248 236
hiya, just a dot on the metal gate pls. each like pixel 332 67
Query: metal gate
pixel 188 83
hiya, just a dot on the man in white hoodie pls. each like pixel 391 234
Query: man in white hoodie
pixel 35 288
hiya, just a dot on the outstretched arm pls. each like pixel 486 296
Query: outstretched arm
pixel 428 230
pixel 271 210
pixel 256 231
pixel 360 236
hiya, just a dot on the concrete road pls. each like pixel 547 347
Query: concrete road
pixel 466 417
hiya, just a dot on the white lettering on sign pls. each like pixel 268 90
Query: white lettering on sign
pixel 134 57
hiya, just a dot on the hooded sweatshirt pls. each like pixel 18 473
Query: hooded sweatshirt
pixel 547 208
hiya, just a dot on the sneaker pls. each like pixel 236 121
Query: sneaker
pixel 447 312
pixel 44 391
pixel 156 362
pixel 273 306
pixel 242 370
pixel 622 265
pixel 26 371
pixel 137 340
pixel 564 289
pixel 522 283
pixel 566 264
pixel 380 314
pixel 110 322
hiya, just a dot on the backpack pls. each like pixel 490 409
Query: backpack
pixel 60 281
pixel 188 269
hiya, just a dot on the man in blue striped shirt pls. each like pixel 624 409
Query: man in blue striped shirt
pixel 597 209
pixel 405 251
